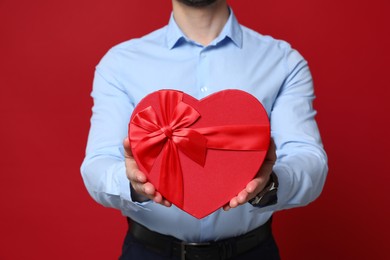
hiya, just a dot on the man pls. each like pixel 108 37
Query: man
pixel 203 50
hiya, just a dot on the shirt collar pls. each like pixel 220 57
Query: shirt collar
pixel 231 30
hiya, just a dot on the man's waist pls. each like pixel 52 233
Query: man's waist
pixel 222 249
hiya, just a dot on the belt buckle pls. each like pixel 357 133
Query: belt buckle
pixel 184 244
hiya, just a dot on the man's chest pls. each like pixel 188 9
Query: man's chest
pixel 202 73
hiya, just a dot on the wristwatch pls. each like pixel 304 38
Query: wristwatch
pixel 268 196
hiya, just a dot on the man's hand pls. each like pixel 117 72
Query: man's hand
pixel 258 183
pixel 138 179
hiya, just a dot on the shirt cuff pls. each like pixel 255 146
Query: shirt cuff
pixel 126 190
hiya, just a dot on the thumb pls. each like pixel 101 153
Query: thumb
pixel 126 146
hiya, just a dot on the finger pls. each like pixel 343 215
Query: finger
pixel 158 198
pixel 132 171
pixel 226 207
pixel 166 203
pixel 233 203
pixel 149 189
pixel 139 188
pixel 253 185
pixel 144 190
pixel 242 197
pixel 136 176
pixel 259 182
pixel 140 176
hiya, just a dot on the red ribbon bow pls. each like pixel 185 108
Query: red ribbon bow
pixel 151 135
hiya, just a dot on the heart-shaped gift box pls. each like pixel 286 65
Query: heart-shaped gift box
pixel 199 153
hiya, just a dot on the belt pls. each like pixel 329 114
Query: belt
pixel 223 249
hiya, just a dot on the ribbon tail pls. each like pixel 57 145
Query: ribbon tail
pixel 171 177
pixel 192 144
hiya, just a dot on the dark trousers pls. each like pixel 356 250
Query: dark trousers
pixel 133 250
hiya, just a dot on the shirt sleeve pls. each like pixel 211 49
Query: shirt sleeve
pixel 301 164
pixel 103 169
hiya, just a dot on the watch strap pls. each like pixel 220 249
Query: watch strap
pixel 268 196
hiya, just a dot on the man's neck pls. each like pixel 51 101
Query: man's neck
pixel 204 24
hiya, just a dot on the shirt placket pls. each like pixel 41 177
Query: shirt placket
pixel 203 73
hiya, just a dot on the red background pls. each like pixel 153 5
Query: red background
pixel 48 53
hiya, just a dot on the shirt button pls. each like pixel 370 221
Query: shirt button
pixel 202 55
pixel 203 89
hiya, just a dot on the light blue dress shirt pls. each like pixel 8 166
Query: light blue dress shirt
pixel 238 58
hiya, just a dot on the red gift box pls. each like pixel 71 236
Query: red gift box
pixel 199 153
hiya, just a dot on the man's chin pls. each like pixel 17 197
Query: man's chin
pixel 197 3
